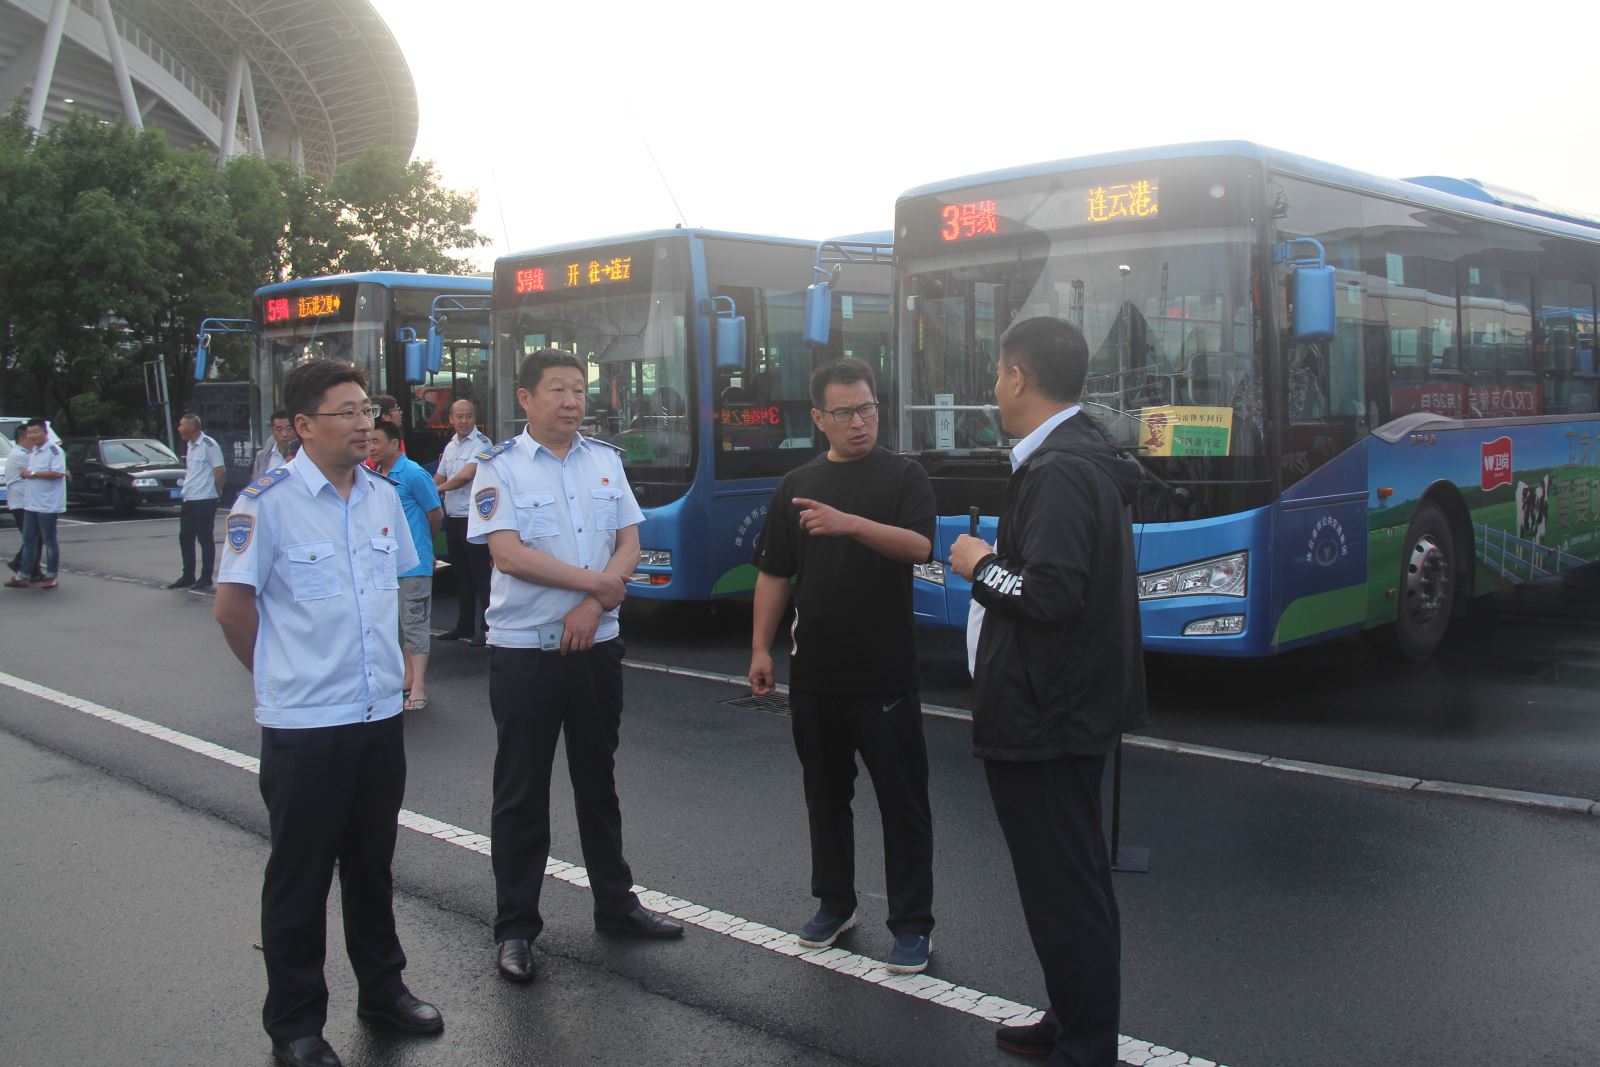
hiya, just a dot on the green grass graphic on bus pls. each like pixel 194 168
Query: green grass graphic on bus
pixel 1533 494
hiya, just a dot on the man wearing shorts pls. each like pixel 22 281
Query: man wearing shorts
pixel 424 515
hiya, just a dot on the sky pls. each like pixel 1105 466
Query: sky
pixel 577 121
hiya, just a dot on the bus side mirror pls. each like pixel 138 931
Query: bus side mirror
pixel 435 351
pixel 1313 303
pixel 730 334
pixel 819 313
pixel 416 362
pixel 201 350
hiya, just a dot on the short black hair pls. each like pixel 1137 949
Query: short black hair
pixel 839 372
pixel 276 415
pixel 388 429
pixel 305 385
pixel 16 435
pixel 1052 352
pixel 539 361
pixel 192 417
pixel 385 402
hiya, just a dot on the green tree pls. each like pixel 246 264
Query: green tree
pixel 399 216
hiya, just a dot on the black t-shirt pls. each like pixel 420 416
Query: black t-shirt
pixel 853 624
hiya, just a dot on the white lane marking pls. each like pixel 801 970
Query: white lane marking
pixel 862 968
pixel 1520 798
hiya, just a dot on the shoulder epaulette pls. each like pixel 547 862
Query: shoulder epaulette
pixel 602 441
pixel 379 476
pixel 265 482
pixel 504 446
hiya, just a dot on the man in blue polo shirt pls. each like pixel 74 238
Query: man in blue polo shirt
pixel 424 515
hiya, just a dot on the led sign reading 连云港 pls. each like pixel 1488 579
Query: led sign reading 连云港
pixel 1129 200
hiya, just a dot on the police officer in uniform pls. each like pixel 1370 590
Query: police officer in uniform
pixel 562 524
pixel 307 601
pixel 469 563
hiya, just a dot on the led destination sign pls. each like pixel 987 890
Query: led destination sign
pixel 567 273
pixel 318 304
pixel 1100 204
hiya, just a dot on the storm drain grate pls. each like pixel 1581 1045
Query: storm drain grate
pixel 774 703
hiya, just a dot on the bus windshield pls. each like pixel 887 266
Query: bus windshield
pixel 1164 302
pixel 626 317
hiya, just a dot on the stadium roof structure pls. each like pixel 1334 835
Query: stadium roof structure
pixel 318 81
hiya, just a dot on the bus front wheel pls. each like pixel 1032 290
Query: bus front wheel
pixel 1427 584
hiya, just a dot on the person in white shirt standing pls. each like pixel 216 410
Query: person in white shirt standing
pixel 469 563
pixel 45 471
pixel 278 451
pixel 17 488
pixel 204 472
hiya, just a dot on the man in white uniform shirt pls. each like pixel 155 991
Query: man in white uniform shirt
pixel 23 439
pixel 44 470
pixel 309 603
pixel 204 472
pixel 276 452
pixel 469 563
pixel 563 526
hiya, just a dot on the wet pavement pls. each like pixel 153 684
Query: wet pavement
pixel 1286 919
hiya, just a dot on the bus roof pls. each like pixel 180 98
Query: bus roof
pixel 393 279
pixel 655 235
pixel 1463 197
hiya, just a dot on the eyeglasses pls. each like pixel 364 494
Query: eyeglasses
pixel 370 413
pixel 868 412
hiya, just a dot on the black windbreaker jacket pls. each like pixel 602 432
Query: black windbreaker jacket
pixel 1060 664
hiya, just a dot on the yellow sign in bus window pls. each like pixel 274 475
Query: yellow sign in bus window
pixel 1174 430
pixel 1130 200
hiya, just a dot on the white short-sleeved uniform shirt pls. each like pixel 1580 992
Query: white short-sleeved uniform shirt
pixel 202 458
pixel 325 574
pixel 16 484
pixel 570 508
pixel 459 452
pixel 47 495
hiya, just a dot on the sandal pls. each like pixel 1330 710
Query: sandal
pixel 419 704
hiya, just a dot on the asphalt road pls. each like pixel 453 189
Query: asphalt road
pixel 1287 919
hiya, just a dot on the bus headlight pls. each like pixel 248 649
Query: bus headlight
pixel 1223 576
pixel 931 571
pixel 654 557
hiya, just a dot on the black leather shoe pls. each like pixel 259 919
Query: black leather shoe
pixel 305 1052
pixel 516 960
pixel 407 1013
pixel 475 642
pixel 1036 1040
pixel 457 634
pixel 181 583
pixel 638 923
pixel 204 585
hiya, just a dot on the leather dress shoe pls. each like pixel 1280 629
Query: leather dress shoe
pixel 638 923
pixel 305 1052
pixel 1039 1039
pixel 407 1013
pixel 516 959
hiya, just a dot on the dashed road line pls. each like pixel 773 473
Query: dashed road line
pixel 1520 798
pixel 864 969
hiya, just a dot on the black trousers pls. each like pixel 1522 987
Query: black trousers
pixel 1050 815
pixel 887 731
pixel 536 697
pixel 198 522
pixel 332 795
pixel 471 564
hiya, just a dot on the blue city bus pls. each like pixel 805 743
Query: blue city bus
pixel 1361 401
pixel 699 364
pixel 374 320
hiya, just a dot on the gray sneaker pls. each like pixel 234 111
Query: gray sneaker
pixel 824 929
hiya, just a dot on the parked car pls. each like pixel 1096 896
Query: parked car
pixel 5 451
pixel 122 473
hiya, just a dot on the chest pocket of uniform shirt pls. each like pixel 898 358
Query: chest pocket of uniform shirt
pixel 536 515
pixel 383 563
pixel 605 507
pixel 313 571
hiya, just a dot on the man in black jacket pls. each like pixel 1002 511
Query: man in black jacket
pixel 1059 675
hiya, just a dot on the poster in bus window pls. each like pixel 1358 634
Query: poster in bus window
pixel 1174 430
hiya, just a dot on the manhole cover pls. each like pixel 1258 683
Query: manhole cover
pixel 774 703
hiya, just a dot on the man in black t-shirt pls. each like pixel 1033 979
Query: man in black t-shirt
pixel 847 527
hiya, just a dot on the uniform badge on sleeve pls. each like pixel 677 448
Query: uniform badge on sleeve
pixel 486 500
pixel 241 528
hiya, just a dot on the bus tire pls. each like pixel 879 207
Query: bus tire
pixel 1428 584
